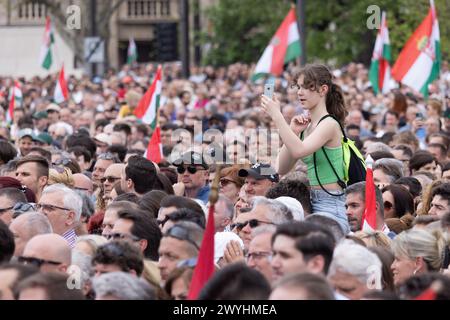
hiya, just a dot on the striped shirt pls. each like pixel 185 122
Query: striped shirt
pixel 70 237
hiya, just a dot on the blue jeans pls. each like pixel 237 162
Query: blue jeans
pixel 333 205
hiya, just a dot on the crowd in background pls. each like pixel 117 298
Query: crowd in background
pixel 78 194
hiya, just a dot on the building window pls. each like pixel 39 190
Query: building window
pixel 32 10
pixel 145 8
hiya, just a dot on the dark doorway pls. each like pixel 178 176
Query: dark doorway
pixel 146 51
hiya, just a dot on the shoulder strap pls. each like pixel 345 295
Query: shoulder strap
pixel 340 125
pixel 341 183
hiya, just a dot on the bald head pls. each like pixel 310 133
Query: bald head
pixel 52 248
pixel 82 182
pixel 26 226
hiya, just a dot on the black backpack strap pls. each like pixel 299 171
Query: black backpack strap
pixel 341 183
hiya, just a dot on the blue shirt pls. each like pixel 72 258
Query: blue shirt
pixel 203 194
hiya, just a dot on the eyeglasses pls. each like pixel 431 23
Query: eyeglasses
pixel 36 261
pixel 257 255
pixel 3 210
pixel 49 207
pixel 81 189
pixel 121 236
pixel 190 169
pixel 388 205
pixel 62 161
pixel 22 207
pixel 253 223
pixel 224 182
pixel 180 233
pixel 110 179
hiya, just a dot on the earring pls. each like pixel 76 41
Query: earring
pixel 415 271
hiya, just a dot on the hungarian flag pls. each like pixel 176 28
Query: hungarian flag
pixel 46 59
pixel 132 52
pixel 205 262
pixel 61 93
pixel 369 218
pixel 147 109
pixel 15 98
pixel 419 63
pixel 154 148
pixel 284 47
pixel 380 70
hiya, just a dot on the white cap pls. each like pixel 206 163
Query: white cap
pixel 103 137
pixel 294 205
pixel 221 240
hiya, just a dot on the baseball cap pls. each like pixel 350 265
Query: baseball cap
pixel 40 115
pixel 53 107
pixel 191 157
pixel 26 133
pixel 260 171
pixel 44 138
pixel 103 137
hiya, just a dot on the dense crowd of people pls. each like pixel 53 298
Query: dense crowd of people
pixel 84 214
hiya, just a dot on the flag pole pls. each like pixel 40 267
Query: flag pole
pixel 205 261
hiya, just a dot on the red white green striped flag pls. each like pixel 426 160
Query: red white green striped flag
pixel 61 93
pixel 154 149
pixel 46 58
pixel 419 63
pixel 369 218
pixel 283 48
pixel 15 98
pixel 147 109
pixel 380 70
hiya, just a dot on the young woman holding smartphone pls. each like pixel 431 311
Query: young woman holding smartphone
pixel 307 135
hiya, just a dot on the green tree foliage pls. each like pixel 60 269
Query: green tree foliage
pixel 337 31
pixel 241 29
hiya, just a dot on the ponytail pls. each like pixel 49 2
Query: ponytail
pixel 335 103
pixel 316 75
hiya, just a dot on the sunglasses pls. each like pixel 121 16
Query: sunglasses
pixel 388 205
pixel 121 236
pixel 48 207
pixel 22 207
pixel 225 182
pixel 190 169
pixel 109 179
pixel 106 156
pixel 62 161
pixel 3 210
pixel 180 233
pixel 35 261
pixel 253 223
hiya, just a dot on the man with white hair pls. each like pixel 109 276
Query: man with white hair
pixel 294 205
pixel 264 211
pixel 26 226
pixel 223 213
pixel 354 270
pixel 62 206
pixel 121 286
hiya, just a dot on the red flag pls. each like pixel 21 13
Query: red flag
pixel 205 262
pixel 369 218
pixel 61 93
pixel 154 148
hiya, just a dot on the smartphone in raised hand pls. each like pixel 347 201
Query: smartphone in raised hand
pixel 269 88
